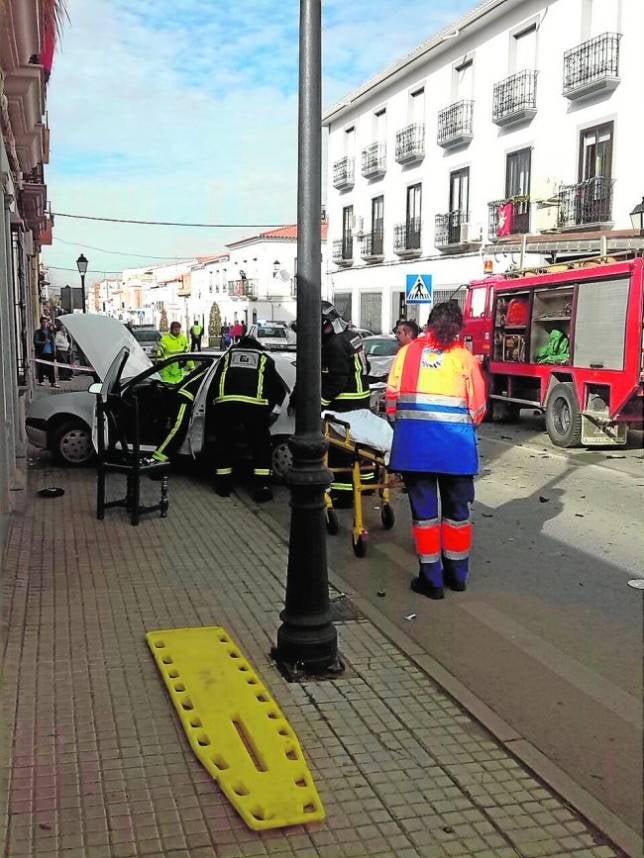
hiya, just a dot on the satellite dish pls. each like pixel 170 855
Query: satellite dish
pixel 284 275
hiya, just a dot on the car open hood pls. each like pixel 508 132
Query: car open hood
pixel 101 338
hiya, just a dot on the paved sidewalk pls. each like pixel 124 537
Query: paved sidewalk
pixel 98 763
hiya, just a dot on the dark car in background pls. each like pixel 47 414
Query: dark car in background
pixel 148 338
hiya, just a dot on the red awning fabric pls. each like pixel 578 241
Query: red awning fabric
pixel 48 48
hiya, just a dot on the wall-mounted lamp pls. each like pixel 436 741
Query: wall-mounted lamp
pixel 637 216
pixel 276 267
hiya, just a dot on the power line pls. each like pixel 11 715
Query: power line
pixel 75 270
pixel 121 252
pixel 171 223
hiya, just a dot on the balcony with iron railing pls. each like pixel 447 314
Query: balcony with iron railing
pixel 508 217
pixel 374 160
pixel 342 251
pixel 515 98
pixel 407 238
pixel 343 173
pixel 585 204
pixel 242 288
pixel 455 124
pixel 410 143
pixel 453 230
pixel 592 67
pixel 372 246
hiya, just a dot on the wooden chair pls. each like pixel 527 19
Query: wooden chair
pixel 119 451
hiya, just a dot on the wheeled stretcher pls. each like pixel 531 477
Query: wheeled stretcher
pixel 343 433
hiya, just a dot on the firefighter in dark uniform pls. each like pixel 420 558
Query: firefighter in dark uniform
pixel 344 388
pixel 245 389
pixel 185 395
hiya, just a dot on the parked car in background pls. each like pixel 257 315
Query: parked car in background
pixel 380 352
pixel 272 335
pixel 148 338
pixel 364 332
pixel 63 423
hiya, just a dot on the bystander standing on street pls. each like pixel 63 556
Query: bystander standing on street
pixel 63 349
pixel 44 348
pixel 436 396
pixel 196 333
pixel 406 331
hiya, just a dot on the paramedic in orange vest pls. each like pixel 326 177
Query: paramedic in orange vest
pixel 436 396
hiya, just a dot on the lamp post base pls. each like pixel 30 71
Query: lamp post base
pixel 307 651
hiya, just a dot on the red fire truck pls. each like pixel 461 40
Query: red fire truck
pixel 568 340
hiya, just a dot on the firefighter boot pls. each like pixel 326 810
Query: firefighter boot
pixel 262 493
pixel 223 486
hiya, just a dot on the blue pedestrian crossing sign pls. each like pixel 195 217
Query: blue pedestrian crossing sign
pixel 418 289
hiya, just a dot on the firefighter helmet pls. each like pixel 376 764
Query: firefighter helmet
pixel 330 316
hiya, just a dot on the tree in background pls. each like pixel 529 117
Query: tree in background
pixel 163 321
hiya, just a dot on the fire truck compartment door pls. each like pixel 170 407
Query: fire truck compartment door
pixel 600 324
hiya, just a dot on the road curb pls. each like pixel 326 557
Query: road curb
pixel 604 820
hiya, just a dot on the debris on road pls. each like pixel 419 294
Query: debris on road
pixel 410 617
pixel 381 593
pixel 543 499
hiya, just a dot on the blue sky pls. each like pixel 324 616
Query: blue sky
pixel 186 110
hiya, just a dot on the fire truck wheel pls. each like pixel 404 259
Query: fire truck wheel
pixel 563 418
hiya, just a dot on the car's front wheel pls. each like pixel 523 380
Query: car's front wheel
pixel 70 443
pixel 282 458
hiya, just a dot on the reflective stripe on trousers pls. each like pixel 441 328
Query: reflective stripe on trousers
pixel 427 538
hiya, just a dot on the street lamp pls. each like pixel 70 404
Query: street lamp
pixel 637 217
pixel 307 640
pixel 81 264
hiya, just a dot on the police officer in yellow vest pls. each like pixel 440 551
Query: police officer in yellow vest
pixel 196 333
pixel 245 389
pixel 174 342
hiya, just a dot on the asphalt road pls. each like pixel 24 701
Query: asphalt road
pixel 549 634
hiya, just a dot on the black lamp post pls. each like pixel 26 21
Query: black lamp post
pixel 81 264
pixel 307 639
pixel 637 217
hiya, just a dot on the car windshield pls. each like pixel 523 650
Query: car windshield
pixel 271 331
pixel 380 348
pixel 146 335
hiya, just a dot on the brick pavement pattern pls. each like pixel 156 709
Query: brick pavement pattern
pixel 94 763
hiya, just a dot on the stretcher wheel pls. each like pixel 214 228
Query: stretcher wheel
pixel 332 523
pixel 387 517
pixel 359 545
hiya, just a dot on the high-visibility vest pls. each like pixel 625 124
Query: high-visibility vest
pixel 436 396
pixel 196 330
pixel 169 345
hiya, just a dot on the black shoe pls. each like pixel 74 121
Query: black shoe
pixel 222 489
pixel 263 494
pixel 454 584
pixel 419 585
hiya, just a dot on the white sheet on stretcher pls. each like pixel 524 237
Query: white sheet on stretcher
pixel 366 428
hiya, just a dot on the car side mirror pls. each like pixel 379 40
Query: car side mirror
pixel 95 388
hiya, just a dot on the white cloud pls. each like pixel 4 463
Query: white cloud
pixel 186 110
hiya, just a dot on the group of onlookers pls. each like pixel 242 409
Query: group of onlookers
pixel 231 333
pixel 51 344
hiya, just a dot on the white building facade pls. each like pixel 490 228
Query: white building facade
pixel 507 139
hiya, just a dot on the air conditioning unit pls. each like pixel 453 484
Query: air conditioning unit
pixel 469 233
pixel 546 217
pixel 545 189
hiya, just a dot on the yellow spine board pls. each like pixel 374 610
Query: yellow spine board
pixel 236 728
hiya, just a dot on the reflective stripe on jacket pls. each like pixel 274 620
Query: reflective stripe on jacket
pixel 249 376
pixel 344 373
pixel 436 396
